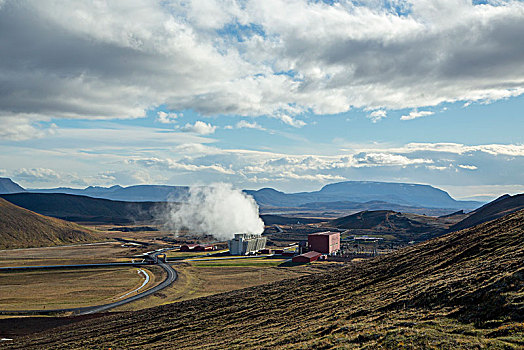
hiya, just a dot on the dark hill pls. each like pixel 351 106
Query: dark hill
pixel 21 228
pixel 137 193
pixel 404 226
pixel 463 290
pixel 84 209
pixel 499 207
pixel 8 186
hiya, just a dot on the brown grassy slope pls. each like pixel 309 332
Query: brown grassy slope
pixel 462 290
pixel 21 228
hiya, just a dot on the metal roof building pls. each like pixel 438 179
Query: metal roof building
pixel 306 257
pixel 245 243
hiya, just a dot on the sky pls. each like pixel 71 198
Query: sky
pixel 285 94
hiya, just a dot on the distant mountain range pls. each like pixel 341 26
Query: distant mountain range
pixel 341 195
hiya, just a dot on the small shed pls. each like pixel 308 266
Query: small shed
pixel 306 257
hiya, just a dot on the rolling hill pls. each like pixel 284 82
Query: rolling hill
pixel 404 226
pixel 462 290
pixel 85 209
pixel 21 228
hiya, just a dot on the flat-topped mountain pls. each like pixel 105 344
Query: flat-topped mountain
pixel 22 228
pixel 347 194
pixel 462 290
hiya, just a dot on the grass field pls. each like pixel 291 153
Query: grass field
pixel 256 262
pixel 80 254
pixel 30 290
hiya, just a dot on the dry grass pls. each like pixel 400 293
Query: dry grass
pixel 196 281
pixel 464 290
pixel 36 290
pixel 81 254
pixel 21 228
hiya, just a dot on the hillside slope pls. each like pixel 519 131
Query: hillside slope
pixel 84 209
pixel 463 290
pixel 21 228
pixel 499 207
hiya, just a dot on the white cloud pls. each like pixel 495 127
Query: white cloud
pixel 244 124
pixel 416 114
pixel 291 121
pixel 166 118
pixel 172 164
pixel 467 167
pixel 36 175
pixel 375 116
pixel 199 127
pixel 513 150
pixel 24 127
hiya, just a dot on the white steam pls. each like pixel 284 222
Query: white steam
pixel 218 210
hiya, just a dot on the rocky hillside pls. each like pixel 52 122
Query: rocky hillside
pixel 462 290
pixel 21 228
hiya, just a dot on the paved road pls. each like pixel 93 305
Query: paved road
pixel 171 277
pixel 50 267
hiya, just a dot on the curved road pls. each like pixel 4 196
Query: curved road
pixel 171 277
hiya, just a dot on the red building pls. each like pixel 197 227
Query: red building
pixel 324 242
pixel 306 257
pixel 203 248
pixel 188 247
pixel 196 247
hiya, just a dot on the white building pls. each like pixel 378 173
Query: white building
pixel 245 243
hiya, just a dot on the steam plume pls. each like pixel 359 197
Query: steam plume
pixel 218 210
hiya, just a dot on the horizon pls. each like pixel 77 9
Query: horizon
pixel 290 95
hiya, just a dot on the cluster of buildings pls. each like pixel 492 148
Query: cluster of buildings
pixel 318 245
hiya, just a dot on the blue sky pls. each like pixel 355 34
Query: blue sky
pixel 284 94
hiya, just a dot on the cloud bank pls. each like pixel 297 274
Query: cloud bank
pixel 104 60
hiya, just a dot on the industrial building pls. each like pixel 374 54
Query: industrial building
pixel 245 243
pixel 324 242
pixel 306 257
